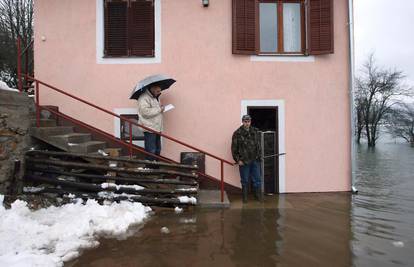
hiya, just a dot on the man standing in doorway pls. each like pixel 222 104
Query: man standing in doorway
pixel 245 148
pixel 150 115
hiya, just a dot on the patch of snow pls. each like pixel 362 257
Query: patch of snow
pixel 178 210
pixel 186 199
pixel 49 237
pixel 134 186
pixel 111 195
pixel 5 87
pixel 165 230
pixel 106 185
pixel 30 189
pixel 103 153
pixel 192 189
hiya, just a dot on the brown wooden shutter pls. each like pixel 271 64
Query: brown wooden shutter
pixel 320 27
pixel 244 27
pixel 116 28
pixel 141 30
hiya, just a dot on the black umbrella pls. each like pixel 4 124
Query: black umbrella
pixel 160 80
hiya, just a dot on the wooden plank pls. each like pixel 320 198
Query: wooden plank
pixel 130 179
pixel 63 163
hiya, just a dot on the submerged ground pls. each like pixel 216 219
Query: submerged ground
pixel 373 228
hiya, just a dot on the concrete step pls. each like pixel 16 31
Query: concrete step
pixel 70 138
pixel 45 132
pixel 86 147
pixel 44 123
pixel 212 199
pixel 14 98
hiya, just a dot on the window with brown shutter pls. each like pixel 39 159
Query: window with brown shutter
pixel 129 28
pixel 320 24
pixel 265 27
pixel 244 26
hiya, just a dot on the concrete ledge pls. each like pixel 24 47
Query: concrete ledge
pixel 212 199
pixel 12 98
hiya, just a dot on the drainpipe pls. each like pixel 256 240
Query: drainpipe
pixel 351 93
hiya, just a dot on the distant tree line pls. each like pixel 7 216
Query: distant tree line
pixel 16 21
pixel 381 100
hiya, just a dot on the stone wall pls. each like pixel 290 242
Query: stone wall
pixel 16 114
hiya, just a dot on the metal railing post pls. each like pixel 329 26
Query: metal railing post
pixel 37 105
pixel 26 64
pixel 19 66
pixel 130 139
pixel 222 181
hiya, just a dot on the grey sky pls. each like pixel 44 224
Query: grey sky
pixel 387 29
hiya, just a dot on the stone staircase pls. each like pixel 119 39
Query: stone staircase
pixel 65 137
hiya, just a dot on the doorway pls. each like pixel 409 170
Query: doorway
pixel 265 118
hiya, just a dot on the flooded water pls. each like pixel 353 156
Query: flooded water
pixel 383 211
pixel 372 228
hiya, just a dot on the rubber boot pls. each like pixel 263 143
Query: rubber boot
pixel 258 194
pixel 244 192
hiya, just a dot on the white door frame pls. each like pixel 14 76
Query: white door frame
pixel 117 123
pixel 280 104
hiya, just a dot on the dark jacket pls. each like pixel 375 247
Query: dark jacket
pixel 245 145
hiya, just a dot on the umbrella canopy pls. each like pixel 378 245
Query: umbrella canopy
pixel 160 80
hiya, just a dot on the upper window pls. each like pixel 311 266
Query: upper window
pixel 129 28
pixel 279 27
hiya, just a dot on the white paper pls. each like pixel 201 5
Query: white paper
pixel 168 107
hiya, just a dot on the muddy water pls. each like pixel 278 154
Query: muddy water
pixel 383 211
pixel 373 228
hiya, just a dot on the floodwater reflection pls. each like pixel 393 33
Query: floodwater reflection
pixel 373 228
pixel 294 230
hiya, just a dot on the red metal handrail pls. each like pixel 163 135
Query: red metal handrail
pixel 130 145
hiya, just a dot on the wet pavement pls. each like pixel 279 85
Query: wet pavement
pixel 373 228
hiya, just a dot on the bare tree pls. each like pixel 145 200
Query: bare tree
pixel 359 108
pixel 401 122
pixel 16 21
pixel 377 90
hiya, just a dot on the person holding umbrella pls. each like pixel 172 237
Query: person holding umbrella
pixel 150 110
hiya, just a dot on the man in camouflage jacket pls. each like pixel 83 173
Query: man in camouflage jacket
pixel 245 148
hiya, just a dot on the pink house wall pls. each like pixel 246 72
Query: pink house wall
pixel 211 83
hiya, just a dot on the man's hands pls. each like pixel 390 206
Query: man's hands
pixel 240 163
pixel 162 108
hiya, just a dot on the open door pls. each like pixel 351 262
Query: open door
pixel 266 120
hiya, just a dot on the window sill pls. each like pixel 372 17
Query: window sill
pixel 282 58
pixel 128 60
pixel 126 57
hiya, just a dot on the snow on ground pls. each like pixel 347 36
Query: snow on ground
pixel 186 199
pixel 4 86
pixel 51 236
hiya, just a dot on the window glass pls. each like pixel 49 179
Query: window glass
pixel 137 133
pixel 291 27
pixel 268 27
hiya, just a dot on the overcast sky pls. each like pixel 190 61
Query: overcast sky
pixel 387 29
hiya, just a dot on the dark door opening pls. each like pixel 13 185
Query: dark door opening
pixel 266 120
